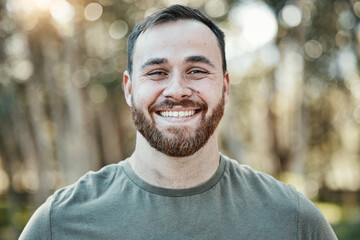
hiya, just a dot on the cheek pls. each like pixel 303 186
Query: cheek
pixel 145 94
pixel 210 92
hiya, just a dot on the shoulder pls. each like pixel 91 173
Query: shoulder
pixel 38 226
pixel 68 203
pixel 311 222
pixel 258 182
pixel 90 186
pixel 263 189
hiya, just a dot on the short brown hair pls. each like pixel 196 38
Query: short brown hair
pixel 173 13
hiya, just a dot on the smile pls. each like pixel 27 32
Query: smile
pixel 177 114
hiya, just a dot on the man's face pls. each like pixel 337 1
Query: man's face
pixel 177 90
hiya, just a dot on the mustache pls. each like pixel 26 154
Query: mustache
pixel 167 103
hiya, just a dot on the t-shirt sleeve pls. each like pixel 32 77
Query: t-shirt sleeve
pixel 38 226
pixel 311 222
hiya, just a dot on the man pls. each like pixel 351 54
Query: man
pixel 176 185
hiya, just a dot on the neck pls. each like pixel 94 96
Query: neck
pixel 161 170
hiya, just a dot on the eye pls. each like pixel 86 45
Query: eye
pixel 198 71
pixel 197 74
pixel 157 75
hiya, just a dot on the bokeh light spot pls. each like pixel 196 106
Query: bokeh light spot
pixel 342 39
pixel 16 45
pixel 216 8
pixel 181 2
pixel 291 15
pixel 93 11
pixel 81 78
pixel 346 61
pixel 346 20
pixel 257 22
pixel 97 93
pixel 118 29
pixel 25 181
pixel 22 69
pixel 357 9
pixel 313 49
pixel 30 181
pixel 196 4
pixel 62 11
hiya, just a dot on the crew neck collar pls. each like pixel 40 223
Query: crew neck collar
pixel 175 192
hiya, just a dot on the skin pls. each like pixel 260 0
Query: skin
pixel 173 66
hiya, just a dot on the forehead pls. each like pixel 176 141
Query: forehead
pixel 176 40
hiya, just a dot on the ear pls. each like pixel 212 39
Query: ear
pixel 127 87
pixel 227 87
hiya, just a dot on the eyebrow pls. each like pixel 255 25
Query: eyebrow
pixel 201 59
pixel 190 59
pixel 154 61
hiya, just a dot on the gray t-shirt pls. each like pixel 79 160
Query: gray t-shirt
pixel 236 203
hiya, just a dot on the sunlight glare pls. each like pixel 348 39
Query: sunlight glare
pixel 62 11
pixel 257 22
pixel 43 4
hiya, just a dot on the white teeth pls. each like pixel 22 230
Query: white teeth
pixel 177 114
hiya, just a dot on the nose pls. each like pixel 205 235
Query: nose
pixel 177 87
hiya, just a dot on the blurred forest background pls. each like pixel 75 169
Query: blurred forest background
pixel 294 110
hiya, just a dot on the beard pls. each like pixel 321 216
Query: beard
pixel 181 143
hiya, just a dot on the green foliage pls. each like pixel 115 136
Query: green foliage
pixel 348 230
